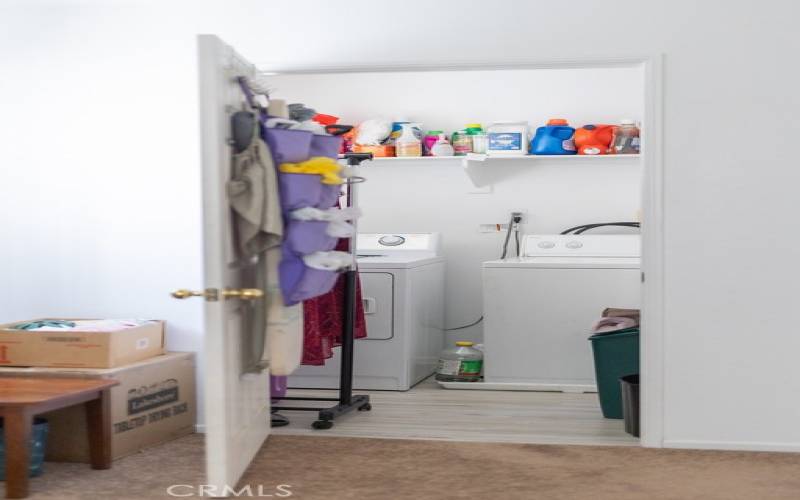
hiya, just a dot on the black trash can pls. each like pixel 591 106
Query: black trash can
pixel 629 385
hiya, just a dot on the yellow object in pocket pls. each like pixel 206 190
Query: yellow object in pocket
pixel 328 168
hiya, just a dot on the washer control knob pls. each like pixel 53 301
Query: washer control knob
pixel 546 244
pixel 574 244
pixel 391 241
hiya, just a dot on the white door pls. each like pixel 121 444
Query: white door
pixel 237 406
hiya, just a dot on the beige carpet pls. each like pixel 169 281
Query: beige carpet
pixel 337 468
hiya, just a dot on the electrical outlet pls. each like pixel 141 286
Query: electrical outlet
pixel 521 213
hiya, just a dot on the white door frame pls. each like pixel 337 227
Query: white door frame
pixel 652 341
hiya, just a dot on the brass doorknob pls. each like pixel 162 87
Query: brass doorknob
pixel 242 293
pixel 212 294
pixel 185 294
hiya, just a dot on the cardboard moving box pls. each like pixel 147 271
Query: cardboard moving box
pixel 154 403
pixel 78 349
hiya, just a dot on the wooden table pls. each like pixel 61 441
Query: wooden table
pixel 23 398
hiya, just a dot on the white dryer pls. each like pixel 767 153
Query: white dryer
pixel 539 308
pixel 402 279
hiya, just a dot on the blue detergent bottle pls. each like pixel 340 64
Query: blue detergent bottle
pixel 555 138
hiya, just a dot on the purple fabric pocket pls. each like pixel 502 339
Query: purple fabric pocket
pixel 329 196
pixel 305 237
pixel 325 145
pixel 299 283
pixel 307 190
pixel 299 190
pixel 288 146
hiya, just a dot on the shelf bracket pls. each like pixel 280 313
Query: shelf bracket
pixel 475 168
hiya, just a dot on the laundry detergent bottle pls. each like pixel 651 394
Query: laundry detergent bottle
pixel 408 144
pixel 555 138
pixel 593 139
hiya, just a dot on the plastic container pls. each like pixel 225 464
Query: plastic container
pixel 593 139
pixel 430 139
pixel 397 130
pixel 38 444
pixel 616 355
pixel 378 151
pixel 474 128
pixel 555 138
pixel 462 363
pixel 478 136
pixel 626 138
pixel 629 386
pixel 480 142
pixel 462 143
pixel 442 147
pixel 507 139
pixel 408 144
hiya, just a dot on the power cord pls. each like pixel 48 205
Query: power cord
pixel 513 225
pixel 465 326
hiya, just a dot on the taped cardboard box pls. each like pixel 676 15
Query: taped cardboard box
pixel 74 348
pixel 155 402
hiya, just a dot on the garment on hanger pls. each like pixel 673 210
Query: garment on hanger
pixel 323 319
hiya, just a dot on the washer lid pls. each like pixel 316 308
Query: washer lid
pixel 566 263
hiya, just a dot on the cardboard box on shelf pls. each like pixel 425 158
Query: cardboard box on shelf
pixel 73 348
pixel 153 403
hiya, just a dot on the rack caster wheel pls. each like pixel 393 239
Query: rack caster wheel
pixel 366 407
pixel 322 424
pixel 278 420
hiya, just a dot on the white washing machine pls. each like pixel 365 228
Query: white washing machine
pixel 402 279
pixel 539 308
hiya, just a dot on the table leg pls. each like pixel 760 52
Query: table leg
pixel 98 420
pixel 17 424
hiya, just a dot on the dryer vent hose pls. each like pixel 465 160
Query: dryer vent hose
pixel 585 227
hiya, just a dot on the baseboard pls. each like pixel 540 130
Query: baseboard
pixel 732 445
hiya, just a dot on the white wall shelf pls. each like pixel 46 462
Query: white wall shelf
pixel 491 159
pixel 480 168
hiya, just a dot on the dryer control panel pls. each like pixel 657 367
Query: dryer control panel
pixel 386 243
pixel 582 245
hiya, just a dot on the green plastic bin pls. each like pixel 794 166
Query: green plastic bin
pixel 616 355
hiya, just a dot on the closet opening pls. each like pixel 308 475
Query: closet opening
pixel 469 249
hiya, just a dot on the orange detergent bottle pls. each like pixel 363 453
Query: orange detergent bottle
pixel 593 139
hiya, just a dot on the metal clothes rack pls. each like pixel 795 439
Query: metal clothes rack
pixel 347 401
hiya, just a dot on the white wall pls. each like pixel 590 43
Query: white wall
pixel 100 180
pixel 424 196
pixel 730 125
